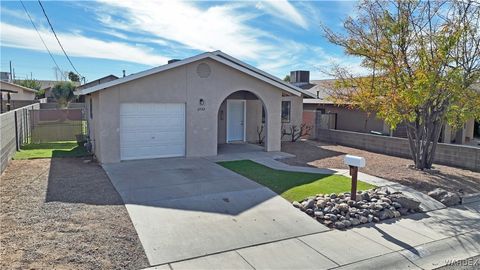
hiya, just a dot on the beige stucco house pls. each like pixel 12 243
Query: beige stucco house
pixel 17 92
pixel 188 108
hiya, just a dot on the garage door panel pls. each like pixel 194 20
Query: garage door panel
pixel 151 152
pixel 151 130
pixel 135 124
pixel 159 138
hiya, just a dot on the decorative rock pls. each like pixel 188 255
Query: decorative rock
pixel 297 204
pixel 437 193
pixel 363 220
pixel 343 207
pixel 355 221
pixel 340 211
pixel 310 203
pixel 365 196
pixel 386 200
pixel 403 211
pixel 405 201
pixel 339 225
pixel 386 213
pixel 321 203
pixel 331 217
pixel 396 205
pixel 370 218
pixel 450 199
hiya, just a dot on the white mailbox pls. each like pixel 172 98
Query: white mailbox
pixel 354 161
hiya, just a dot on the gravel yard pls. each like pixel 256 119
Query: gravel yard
pixel 324 155
pixel 62 213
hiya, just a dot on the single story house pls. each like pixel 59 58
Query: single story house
pixel 189 107
pixel 342 117
pixel 101 80
pixel 17 92
pixel 13 96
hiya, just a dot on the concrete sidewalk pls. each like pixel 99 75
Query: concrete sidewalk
pixel 419 241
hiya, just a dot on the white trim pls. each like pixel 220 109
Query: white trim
pixel 227 139
pixel 217 56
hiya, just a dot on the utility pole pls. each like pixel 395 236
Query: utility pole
pixel 11 74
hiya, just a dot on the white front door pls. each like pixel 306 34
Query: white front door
pixel 235 120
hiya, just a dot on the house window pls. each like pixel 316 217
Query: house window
pixel 286 106
pixel 91 108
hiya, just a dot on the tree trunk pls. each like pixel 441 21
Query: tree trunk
pixel 423 139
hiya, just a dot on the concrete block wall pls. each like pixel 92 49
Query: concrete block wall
pixel 8 138
pixel 455 155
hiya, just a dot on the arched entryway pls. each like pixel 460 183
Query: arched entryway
pixel 242 123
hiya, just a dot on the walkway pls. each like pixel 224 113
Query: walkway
pixel 419 241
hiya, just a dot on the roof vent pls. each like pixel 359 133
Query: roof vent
pixel 173 60
pixel 203 70
pixel 300 77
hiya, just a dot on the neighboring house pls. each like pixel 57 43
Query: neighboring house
pixel 108 78
pixel 17 92
pixel 5 76
pixel 105 79
pixel 47 85
pixel 345 118
pixel 189 107
pixel 13 96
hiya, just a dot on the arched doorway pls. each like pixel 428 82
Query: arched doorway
pixel 242 123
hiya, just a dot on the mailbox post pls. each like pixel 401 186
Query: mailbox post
pixel 354 163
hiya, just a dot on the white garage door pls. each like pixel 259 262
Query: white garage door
pixel 152 130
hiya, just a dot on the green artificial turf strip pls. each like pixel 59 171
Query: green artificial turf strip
pixel 49 150
pixel 293 186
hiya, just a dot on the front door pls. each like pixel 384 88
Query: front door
pixel 235 120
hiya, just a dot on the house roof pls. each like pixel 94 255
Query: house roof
pixel 101 80
pixel 19 86
pixel 216 55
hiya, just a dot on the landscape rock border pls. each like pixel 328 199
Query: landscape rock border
pixel 340 211
pixel 446 197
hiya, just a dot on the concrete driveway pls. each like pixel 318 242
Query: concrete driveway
pixel 186 208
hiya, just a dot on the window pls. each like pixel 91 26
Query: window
pixel 91 109
pixel 286 105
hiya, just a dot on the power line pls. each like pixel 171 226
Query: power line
pixel 40 36
pixel 58 40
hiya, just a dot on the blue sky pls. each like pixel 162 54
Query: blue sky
pixel 105 37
